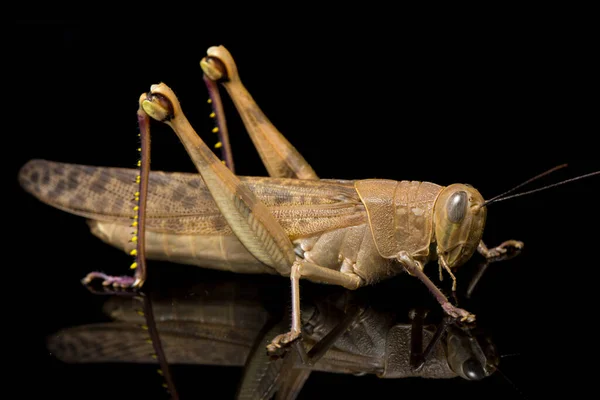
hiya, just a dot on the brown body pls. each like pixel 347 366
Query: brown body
pixel 326 220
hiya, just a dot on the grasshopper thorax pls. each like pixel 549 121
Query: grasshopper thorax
pixel 459 219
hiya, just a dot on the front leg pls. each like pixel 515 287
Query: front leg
pixel 509 247
pixel 415 268
pixel 506 251
pixel 418 356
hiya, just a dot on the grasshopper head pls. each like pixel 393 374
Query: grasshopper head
pixel 459 219
pixel 471 354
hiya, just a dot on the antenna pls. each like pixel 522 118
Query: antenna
pixel 503 196
pixel 511 383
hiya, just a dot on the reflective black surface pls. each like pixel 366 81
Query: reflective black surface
pixel 520 107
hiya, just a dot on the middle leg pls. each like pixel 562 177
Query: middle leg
pixel 415 268
pixel 315 273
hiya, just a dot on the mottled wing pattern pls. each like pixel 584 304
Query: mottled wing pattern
pixel 107 194
pixel 127 342
pixel 180 202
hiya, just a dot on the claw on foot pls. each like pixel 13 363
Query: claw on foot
pixel 282 343
pixel 458 313
pixel 509 245
pixel 504 251
pixel 107 280
pixel 516 244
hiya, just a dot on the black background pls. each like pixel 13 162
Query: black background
pixel 489 106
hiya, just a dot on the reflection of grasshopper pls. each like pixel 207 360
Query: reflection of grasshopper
pixel 224 324
pixel 347 233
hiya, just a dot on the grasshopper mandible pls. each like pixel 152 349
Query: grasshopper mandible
pixel 340 232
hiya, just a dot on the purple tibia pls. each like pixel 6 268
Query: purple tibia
pixel 217 106
pixel 138 280
pixel 141 271
pixel 157 344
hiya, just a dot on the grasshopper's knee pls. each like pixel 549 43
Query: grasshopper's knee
pixel 296 270
pixel 319 274
pixel 219 64
pixel 409 263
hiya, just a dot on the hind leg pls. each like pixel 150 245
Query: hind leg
pixel 280 158
pixel 249 219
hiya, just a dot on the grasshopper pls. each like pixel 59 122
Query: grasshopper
pixel 339 232
pixel 210 324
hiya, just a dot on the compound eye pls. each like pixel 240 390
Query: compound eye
pixel 473 370
pixel 457 206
